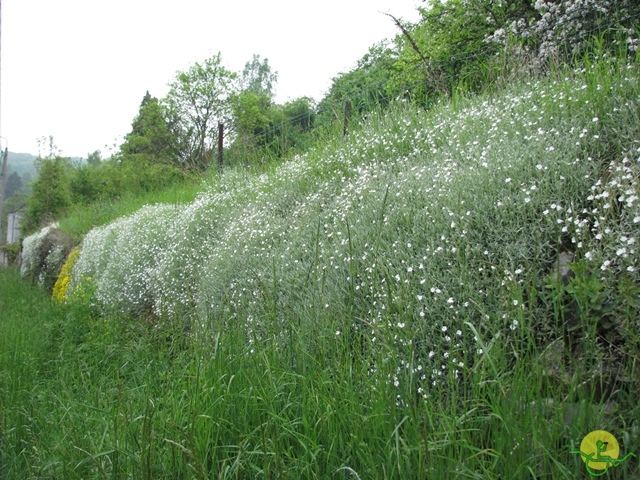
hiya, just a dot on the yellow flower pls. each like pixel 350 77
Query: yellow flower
pixel 64 277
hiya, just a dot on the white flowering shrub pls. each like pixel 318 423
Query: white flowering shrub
pixel 119 259
pixel 31 246
pixel 43 254
pixel 565 27
pixel 424 234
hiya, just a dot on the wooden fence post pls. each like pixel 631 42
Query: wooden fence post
pixel 220 142
pixel 347 114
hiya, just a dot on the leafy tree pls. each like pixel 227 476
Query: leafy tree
pixel 150 138
pixel 258 78
pixel 94 158
pixel 365 87
pixel 197 101
pixel 265 130
pixel 251 114
pixel 50 195
pixel 84 184
pixel 299 119
pixel 253 111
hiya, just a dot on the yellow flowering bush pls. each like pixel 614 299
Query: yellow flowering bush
pixel 64 278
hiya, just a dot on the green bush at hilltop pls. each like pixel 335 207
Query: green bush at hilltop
pixel 440 294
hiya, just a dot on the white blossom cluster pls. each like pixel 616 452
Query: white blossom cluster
pixel 616 216
pixel 564 26
pixel 119 259
pixel 32 255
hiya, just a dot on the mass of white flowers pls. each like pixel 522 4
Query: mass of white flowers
pixel 30 249
pixel 403 234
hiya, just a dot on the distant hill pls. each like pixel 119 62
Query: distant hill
pixel 24 164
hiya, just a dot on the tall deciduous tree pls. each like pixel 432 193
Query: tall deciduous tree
pixel 198 100
pixel 252 104
pixel 258 78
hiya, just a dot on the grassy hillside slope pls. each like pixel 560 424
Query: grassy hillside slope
pixel 441 294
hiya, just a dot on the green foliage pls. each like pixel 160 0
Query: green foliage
pixel 94 158
pixel 251 115
pixel 266 131
pixel 258 78
pixel 150 139
pixel 366 87
pixel 444 49
pixel 84 185
pixel 12 250
pixel 198 100
pixel 50 196
pixel 177 188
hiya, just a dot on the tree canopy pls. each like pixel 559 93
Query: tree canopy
pixel 198 100
pixel 150 138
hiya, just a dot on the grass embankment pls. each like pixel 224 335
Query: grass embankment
pixel 389 306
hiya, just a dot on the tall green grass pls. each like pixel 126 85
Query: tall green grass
pixel 388 306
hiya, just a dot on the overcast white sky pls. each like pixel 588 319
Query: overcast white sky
pixel 78 69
